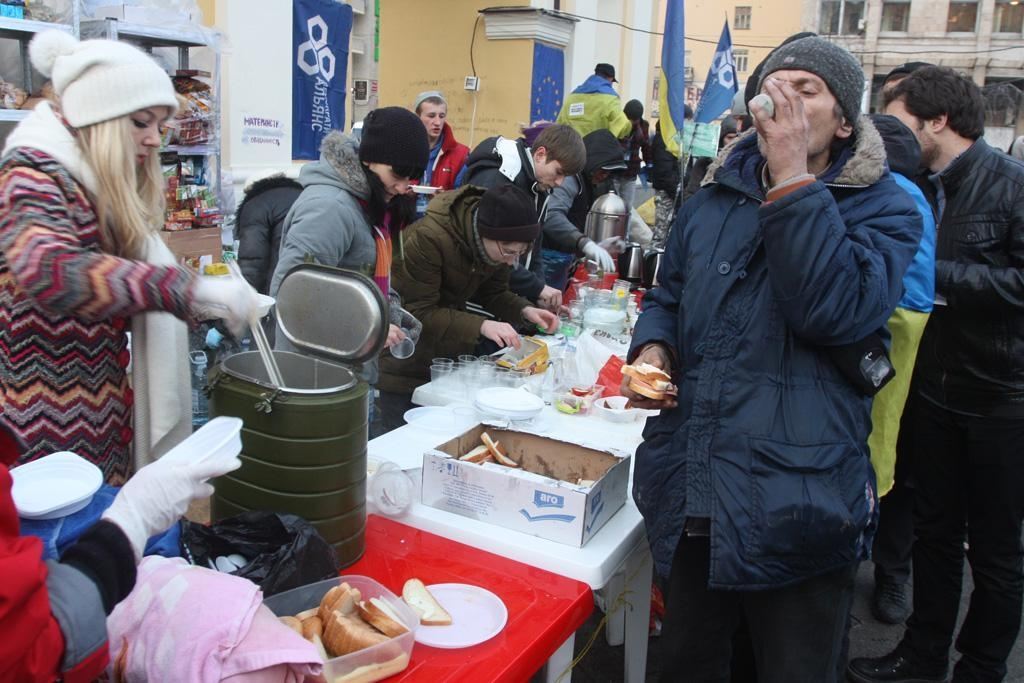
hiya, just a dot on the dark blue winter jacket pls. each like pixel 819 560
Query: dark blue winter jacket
pixel 769 439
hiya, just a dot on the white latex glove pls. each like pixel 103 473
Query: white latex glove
pixel 596 252
pixel 159 494
pixel 229 298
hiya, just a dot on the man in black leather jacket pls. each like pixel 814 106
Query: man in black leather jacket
pixel 967 402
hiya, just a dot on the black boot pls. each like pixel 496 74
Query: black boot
pixel 889 603
pixel 891 668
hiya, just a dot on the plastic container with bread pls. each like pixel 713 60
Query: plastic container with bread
pixel 378 655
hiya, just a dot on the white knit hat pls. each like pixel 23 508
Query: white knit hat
pixel 99 80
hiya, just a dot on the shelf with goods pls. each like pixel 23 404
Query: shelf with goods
pixel 13 97
pixel 190 157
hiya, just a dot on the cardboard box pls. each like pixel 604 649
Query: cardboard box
pixel 541 498
pixel 201 245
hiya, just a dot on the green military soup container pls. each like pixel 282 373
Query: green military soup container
pixel 304 443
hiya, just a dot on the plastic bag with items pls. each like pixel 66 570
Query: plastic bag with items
pixel 282 551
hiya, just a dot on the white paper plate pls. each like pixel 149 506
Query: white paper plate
pixel 504 401
pixel 477 616
pixel 425 189
pixel 54 486
pixel 436 418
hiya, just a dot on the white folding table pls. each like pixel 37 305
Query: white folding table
pixel 616 561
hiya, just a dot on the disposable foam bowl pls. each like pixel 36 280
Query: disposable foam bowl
pixel 263 304
pixel 300 599
pixel 613 409
pixel 219 438
pixel 54 486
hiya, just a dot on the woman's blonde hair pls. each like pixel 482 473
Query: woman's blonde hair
pixel 129 197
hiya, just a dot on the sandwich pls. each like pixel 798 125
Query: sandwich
pixel 650 381
pixel 426 605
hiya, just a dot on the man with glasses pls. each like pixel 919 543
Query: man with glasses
pixel 464 248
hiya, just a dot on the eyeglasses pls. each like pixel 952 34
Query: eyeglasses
pixel 512 254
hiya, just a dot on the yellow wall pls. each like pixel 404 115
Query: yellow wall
pixel 209 13
pixel 428 49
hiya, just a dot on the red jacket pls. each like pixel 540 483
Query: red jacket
pixel 452 159
pixel 31 643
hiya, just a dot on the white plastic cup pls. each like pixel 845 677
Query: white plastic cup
pixel 390 489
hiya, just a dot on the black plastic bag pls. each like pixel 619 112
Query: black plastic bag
pixel 284 551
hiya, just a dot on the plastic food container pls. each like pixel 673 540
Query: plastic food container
pixel 578 400
pixel 613 409
pixel 337 669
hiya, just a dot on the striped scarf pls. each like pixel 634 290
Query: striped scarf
pixel 382 266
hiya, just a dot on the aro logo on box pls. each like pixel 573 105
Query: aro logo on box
pixel 543 499
pixel 314 55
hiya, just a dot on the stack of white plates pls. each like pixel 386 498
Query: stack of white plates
pixel 54 486
pixel 509 404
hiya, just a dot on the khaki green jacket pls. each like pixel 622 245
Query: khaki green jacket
pixel 439 273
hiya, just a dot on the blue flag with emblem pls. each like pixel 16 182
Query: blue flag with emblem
pixel 548 81
pixel 672 82
pixel 721 83
pixel 320 33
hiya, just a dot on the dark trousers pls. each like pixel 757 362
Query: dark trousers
pixel 796 632
pixel 969 483
pixel 895 535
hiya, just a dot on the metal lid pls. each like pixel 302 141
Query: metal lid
pixel 332 313
pixel 609 203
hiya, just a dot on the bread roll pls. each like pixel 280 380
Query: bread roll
pixel 292 623
pixel 312 626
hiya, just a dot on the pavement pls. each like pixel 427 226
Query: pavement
pixel 868 638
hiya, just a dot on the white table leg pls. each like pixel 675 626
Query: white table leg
pixel 558 663
pixel 615 628
pixel 639 570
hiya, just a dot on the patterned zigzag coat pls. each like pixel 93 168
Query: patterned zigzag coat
pixel 65 304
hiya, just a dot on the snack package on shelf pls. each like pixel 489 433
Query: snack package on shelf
pixel 193 124
pixel 11 96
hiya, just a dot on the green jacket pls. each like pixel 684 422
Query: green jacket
pixel 441 271
pixel 591 108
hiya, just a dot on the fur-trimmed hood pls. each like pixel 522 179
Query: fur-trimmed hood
pixel 339 166
pixel 863 166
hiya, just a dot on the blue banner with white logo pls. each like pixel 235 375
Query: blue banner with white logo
pixel 548 83
pixel 721 84
pixel 320 33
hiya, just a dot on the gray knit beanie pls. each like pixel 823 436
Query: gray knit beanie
pixel 833 64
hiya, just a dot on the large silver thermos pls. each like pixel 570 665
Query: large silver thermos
pixel 607 218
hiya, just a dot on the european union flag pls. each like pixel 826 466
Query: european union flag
pixel 721 83
pixel 548 83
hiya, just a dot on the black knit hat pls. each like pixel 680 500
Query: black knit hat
pixel 507 214
pixel 395 136
pixel 833 64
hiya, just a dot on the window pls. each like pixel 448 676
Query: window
pixel 963 17
pixel 1008 17
pixel 741 19
pixel 841 17
pixel 741 60
pixel 895 15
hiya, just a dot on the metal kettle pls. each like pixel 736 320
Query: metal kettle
pixel 631 263
pixel 607 218
pixel 652 263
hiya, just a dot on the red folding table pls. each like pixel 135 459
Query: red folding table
pixel 543 608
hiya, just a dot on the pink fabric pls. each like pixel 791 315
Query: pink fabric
pixel 196 625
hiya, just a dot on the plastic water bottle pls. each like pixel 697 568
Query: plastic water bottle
pixel 200 407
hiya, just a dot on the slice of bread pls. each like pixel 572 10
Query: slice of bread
pixel 342 598
pixel 426 605
pixel 292 623
pixel 312 626
pixel 345 634
pixel 375 672
pixel 378 614
pixel 497 451
pixel 479 454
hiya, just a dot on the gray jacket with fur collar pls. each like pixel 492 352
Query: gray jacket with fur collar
pixel 326 224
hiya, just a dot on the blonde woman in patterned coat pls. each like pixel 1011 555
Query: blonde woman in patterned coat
pixel 81 198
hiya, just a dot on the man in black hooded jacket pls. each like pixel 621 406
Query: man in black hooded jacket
pixel 569 203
